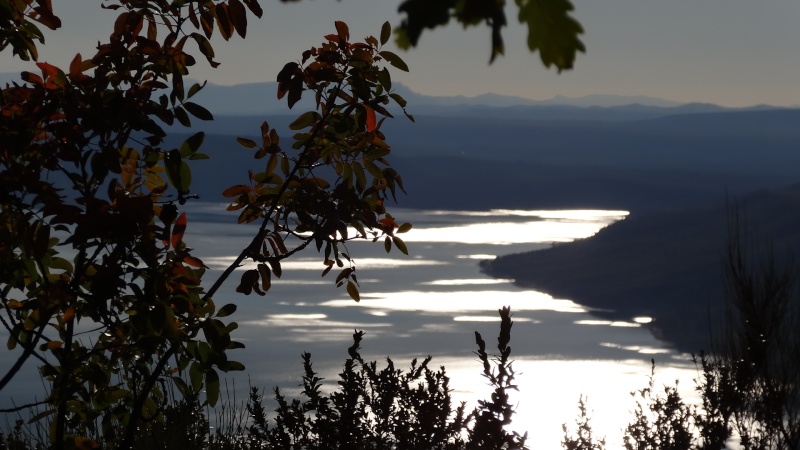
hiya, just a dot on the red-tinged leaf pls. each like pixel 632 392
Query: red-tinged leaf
pixel 223 20
pixel 14 304
pixel 193 16
pixel 342 30
pixel 178 229
pixel 32 78
pixel 235 191
pixel 238 16
pixel 207 21
pixel 192 261
pixel 389 222
pixel 52 74
pixel 75 72
pixel 266 277
pixel 371 118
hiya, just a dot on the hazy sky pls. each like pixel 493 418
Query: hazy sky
pixel 730 52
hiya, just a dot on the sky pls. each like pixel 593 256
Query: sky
pixel 728 52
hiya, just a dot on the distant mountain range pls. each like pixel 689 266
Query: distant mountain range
pixel 261 99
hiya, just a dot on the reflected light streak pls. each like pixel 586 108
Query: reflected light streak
pixel 467 281
pixel 311 322
pixel 478 256
pixel 636 348
pixel 459 302
pixel 222 262
pixel 506 233
pixel 492 319
pixel 610 323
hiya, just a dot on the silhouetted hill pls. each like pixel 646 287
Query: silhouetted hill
pixel 666 266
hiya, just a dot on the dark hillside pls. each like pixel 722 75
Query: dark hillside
pixel 666 266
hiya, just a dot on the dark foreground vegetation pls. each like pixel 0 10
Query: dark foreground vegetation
pixel 748 388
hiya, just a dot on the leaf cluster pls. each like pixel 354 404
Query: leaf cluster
pixel 332 185
pixel 552 31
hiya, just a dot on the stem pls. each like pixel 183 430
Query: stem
pixel 244 253
pixel 127 440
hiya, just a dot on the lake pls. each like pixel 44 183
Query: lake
pixel 430 303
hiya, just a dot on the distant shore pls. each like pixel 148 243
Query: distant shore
pixel 665 266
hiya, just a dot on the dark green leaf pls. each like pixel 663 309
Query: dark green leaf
pixel 394 60
pixel 195 87
pixel 212 387
pixel 305 120
pixel 552 31
pixel 198 111
pixel 386 33
pixel 192 144
pixel 352 290
pixel 400 244
pixel 226 310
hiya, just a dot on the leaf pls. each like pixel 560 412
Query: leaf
pixel 370 119
pixel 552 31
pixel 226 310
pixel 400 244
pixel 212 387
pixel 246 143
pixel 248 281
pixel 399 99
pixel 266 277
pixel 238 17
pixel 394 60
pixel 178 229
pixel 198 111
pixel 234 366
pixel 223 20
pixel 235 191
pixel 276 267
pixel 386 33
pixel 193 261
pixel 404 228
pixel 197 86
pixel 178 172
pixel 342 30
pixel 352 290
pixel 254 7
pixel 192 144
pixel 305 120
pixel 182 117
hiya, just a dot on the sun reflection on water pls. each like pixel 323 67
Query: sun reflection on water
pixel 459 301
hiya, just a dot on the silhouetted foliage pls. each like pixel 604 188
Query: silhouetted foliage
pixel 749 387
pixel 370 408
